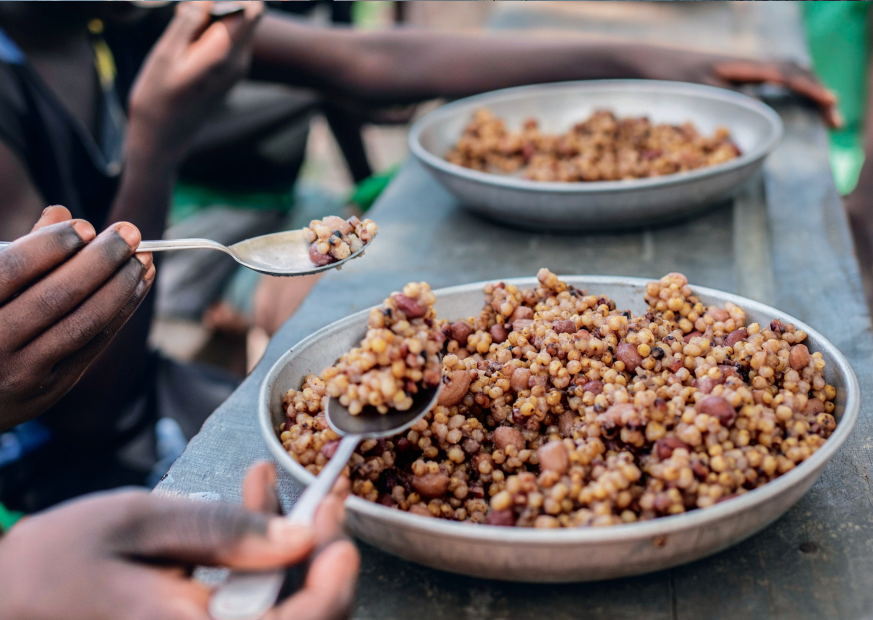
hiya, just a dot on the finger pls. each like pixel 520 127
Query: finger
pixel 329 517
pixel 213 534
pixel 37 253
pixel 259 489
pixel 749 72
pixel 329 591
pixel 52 297
pixel 54 214
pixel 224 38
pixel 93 315
pixel 190 20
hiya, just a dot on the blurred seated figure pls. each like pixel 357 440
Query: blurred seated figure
pixel 101 104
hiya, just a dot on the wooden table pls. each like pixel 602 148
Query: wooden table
pixel 784 240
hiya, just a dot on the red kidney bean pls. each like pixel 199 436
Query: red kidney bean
pixel 664 447
pixel 720 408
pixel 814 406
pixel 454 391
pixel 719 314
pixel 799 357
pixel 519 379
pixel 565 327
pixel 521 312
pixel 460 332
pixel 553 456
pixel 595 387
pixel 627 353
pixel 337 223
pixel 431 485
pixel 687 337
pixel 505 436
pixel 735 336
pixel 498 333
pixel 411 308
pixel 317 257
pixel 520 324
pixel 500 517
pixel 329 449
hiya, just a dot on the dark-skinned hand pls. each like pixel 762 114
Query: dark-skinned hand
pixel 187 72
pixel 64 294
pixel 129 554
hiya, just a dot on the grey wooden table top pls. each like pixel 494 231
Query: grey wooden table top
pixel 783 240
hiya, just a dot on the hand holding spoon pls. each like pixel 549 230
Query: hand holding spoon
pixel 248 596
pixel 277 254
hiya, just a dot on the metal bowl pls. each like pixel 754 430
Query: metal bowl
pixel 519 202
pixel 580 554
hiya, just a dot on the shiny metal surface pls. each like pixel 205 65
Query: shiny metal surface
pixel 584 554
pixel 518 202
pixel 373 424
pixel 278 254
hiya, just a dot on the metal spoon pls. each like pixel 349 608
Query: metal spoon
pixel 278 254
pixel 248 595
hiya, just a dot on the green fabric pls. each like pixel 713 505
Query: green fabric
pixel 838 35
pixel 8 518
pixel 189 198
pixel 368 190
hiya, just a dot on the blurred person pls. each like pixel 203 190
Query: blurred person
pixel 66 136
pixel 128 554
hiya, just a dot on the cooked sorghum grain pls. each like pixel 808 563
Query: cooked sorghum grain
pixel 602 148
pixel 333 238
pixel 561 411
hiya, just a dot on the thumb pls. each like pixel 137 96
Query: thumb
pixel 211 534
pixel 190 20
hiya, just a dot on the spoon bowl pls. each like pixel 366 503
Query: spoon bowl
pixel 370 424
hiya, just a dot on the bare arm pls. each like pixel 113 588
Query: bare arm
pixel 405 65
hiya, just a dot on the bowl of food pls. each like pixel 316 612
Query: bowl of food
pixel 600 154
pixel 591 427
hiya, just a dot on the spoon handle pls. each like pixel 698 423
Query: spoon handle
pixel 248 595
pixel 168 244
pixel 180 244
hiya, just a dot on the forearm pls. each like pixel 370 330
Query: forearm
pixel 407 65
pixel 143 197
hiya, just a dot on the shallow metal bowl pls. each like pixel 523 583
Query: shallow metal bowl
pixel 519 202
pixel 580 554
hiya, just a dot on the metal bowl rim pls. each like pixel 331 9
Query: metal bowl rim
pixel 662 526
pixel 497 180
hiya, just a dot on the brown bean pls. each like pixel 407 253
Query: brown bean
pixel 455 389
pixel 719 314
pixel 500 517
pixel 627 353
pixel 799 357
pixel 507 436
pixel 431 485
pixel 595 387
pixel 735 336
pixel 565 327
pixel 470 445
pixel 553 456
pixel 519 379
pixel 411 308
pixel 664 447
pixel 521 312
pixel 687 337
pixel 813 407
pixel 420 510
pixel 520 324
pixel 498 333
pixel 706 385
pixel 460 332
pixel 720 408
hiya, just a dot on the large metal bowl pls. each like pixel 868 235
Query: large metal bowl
pixel 582 554
pixel 519 202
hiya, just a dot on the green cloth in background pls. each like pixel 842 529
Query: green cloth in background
pixel 8 518
pixel 189 198
pixel 838 35
pixel 367 191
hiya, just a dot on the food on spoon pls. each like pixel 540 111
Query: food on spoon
pixel 601 148
pixel 589 415
pixel 399 355
pixel 334 239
